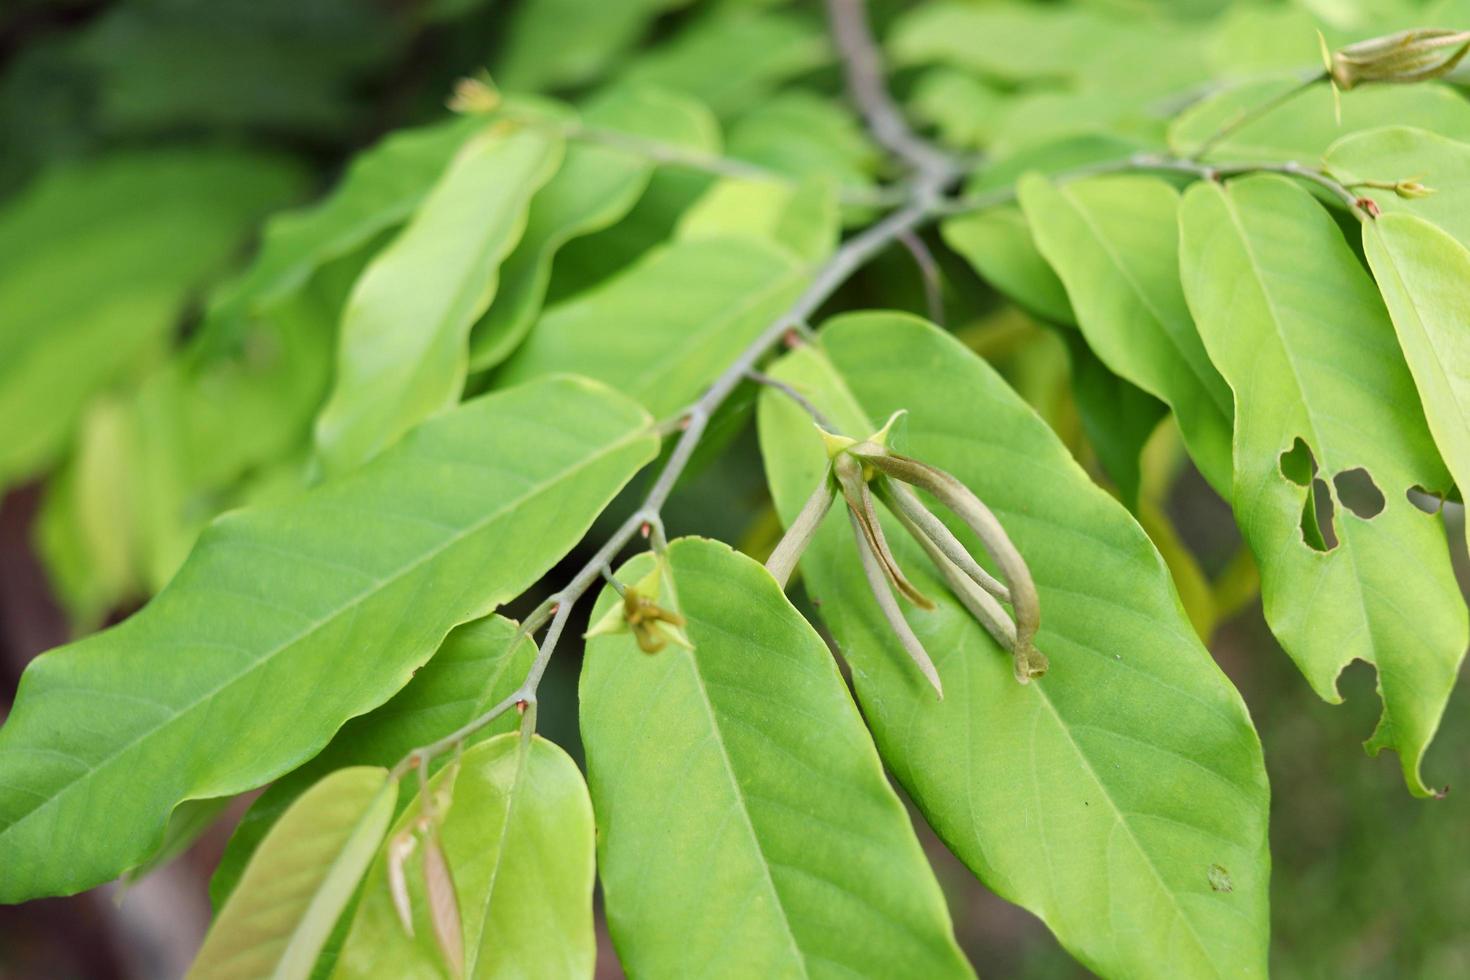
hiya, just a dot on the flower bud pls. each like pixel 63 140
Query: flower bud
pixel 1403 58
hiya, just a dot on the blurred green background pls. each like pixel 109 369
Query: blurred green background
pixel 1367 882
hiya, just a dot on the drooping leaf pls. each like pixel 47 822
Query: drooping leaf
pixel 402 352
pixel 1114 242
pixel 1304 127
pixel 478 665
pixel 596 185
pixel 732 58
pixel 1323 400
pixel 99 260
pixel 1424 276
pixel 664 328
pixel 516 831
pixel 742 811
pixel 300 880
pixel 998 243
pixel 1099 795
pixel 1400 154
pixel 288 620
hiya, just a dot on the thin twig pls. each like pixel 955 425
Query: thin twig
pixel 928 273
pixel 1255 112
pixel 802 401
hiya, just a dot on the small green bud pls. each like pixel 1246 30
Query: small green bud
pixel 474 96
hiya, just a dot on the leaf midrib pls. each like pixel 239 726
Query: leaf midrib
pixel 351 605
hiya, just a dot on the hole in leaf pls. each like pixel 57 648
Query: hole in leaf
pixel 1358 493
pixel 1425 500
pixel 1297 463
pixel 1317 515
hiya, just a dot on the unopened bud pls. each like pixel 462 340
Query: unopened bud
pixel 474 96
pixel 1403 58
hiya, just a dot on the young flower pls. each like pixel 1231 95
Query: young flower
pixel 863 470
pixel 653 626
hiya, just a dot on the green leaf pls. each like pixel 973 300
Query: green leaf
pixel 1117 416
pixel 99 261
pixel 1099 795
pixel 1005 41
pixel 1399 153
pixel 1424 276
pixel 288 620
pixel 518 836
pixel 801 217
pixel 300 880
pixel 806 136
pixel 734 57
pixel 1294 324
pixel 998 243
pixel 596 185
pixel 1305 126
pixel 381 188
pixel 1114 242
pixel 478 666
pixel 663 329
pixel 741 808
pixel 402 353
pixel 560 43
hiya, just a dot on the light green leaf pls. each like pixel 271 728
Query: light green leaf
pixel 998 243
pixel 300 880
pixel 1323 401
pixel 1117 416
pixel 801 217
pixel 1304 127
pixel 961 107
pixel 402 353
pixel 663 329
pixel 1399 153
pixel 1099 795
pixel 381 188
pixel 518 836
pixel 1006 41
pixel 287 620
pixel 741 808
pixel 1114 241
pixel 596 185
pixel 734 57
pixel 806 136
pixel 99 261
pixel 478 666
pixel 1424 276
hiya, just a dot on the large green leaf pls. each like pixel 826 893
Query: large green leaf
pixel 99 260
pixel 805 135
pixel 802 217
pixel 558 43
pixel 1117 415
pixel 742 811
pixel 1102 796
pixel 999 244
pixel 1006 41
pixel 596 185
pixel 1304 127
pixel 663 329
pixel 1292 320
pixel 1400 153
pixel 478 665
pixel 1424 275
pixel 287 620
pixel 517 833
pixel 402 353
pixel 301 879
pixel 1114 242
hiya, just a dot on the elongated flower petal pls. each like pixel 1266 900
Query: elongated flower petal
pixel 799 535
pixel 878 582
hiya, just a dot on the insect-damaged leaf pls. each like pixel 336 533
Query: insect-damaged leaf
pixel 515 829
pixel 286 621
pixel 1322 393
pixel 478 665
pixel 1099 795
pixel 300 880
pixel 742 811
pixel 1424 276
pixel 402 354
